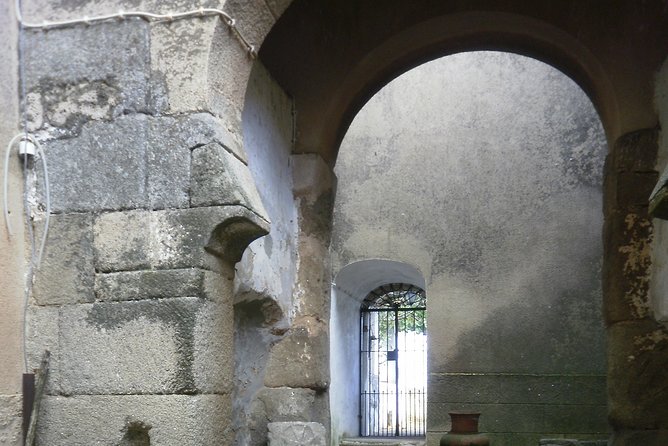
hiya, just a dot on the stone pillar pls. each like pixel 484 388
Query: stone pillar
pixel 300 360
pixel 153 204
pixel 637 344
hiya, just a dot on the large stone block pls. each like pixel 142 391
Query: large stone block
pixel 137 161
pixel 43 333
pixel 179 58
pixel 314 277
pixel 102 169
pixel 518 389
pixel 174 239
pixel 179 345
pixel 300 359
pixel 297 434
pixel 219 178
pixel 136 285
pixel 123 241
pixel 287 404
pixel 637 375
pixel 66 273
pixel 636 151
pixel 170 143
pixel 88 72
pixel 213 361
pixel 177 420
pixel 10 420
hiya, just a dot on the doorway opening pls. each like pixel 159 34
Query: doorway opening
pixel 393 362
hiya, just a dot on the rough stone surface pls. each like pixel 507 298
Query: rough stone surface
pixel 296 434
pixel 122 241
pixel 640 438
pixel 87 72
pixel 102 169
pixel 637 367
pixel 182 420
pixel 627 270
pixel 66 273
pixel 43 333
pixel 171 141
pixel 300 359
pixel 179 57
pixel 218 178
pixel 135 285
pixel 145 347
pixel 136 161
pixel 175 238
pixel 213 362
pixel 288 404
pixel 10 420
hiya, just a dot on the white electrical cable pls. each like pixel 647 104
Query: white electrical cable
pixel 148 16
pixel 47 201
pixel 47 192
pixel 5 181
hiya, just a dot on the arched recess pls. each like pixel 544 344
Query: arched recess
pixel 351 285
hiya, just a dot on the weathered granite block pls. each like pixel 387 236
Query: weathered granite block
pixel 102 169
pixel 184 420
pixel 66 273
pixel 135 285
pixel 179 57
pixel 637 358
pixel 220 178
pixel 288 404
pixel 42 333
pixel 300 359
pixel 213 363
pixel 292 433
pixel 88 72
pixel 164 346
pixel 174 239
pixel 123 241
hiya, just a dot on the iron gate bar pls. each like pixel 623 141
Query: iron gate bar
pixel 391 304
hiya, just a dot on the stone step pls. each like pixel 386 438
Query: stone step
pixel 390 441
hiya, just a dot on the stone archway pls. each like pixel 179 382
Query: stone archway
pixel 331 58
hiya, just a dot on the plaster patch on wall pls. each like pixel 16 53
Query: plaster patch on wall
pixel 652 341
pixel 637 264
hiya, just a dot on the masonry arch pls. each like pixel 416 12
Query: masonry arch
pixel 330 58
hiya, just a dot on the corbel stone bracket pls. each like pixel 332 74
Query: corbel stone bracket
pixel 232 236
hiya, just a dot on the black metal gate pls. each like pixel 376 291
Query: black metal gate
pixel 393 362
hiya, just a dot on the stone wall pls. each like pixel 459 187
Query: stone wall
pixel 484 171
pixel 152 205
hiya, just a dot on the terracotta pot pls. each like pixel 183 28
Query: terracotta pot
pixel 464 431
